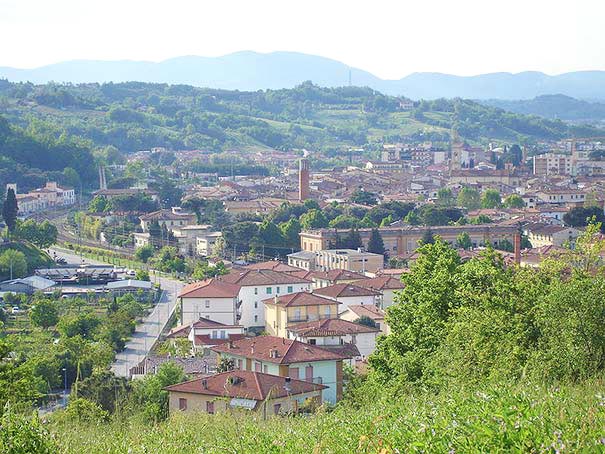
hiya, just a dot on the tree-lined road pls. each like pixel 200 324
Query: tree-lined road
pixel 146 333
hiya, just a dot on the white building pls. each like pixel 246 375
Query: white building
pixel 257 285
pixel 350 294
pixel 210 299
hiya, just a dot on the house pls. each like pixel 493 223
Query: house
pixel 197 366
pixel 304 260
pixel 245 390
pixel 186 237
pixel 288 358
pixel 169 219
pixel 386 285
pixel 285 310
pixel 205 242
pixel 256 285
pixel 348 259
pixel 336 333
pixel 540 234
pixel 211 299
pixel 206 333
pixel 370 311
pixel 349 294
pixel 326 278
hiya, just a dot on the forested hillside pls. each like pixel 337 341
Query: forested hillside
pixel 133 116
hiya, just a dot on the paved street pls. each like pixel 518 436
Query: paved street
pixel 147 332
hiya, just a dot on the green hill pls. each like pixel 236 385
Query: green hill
pixel 134 116
pixel 35 257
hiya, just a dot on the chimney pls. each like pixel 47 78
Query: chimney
pixel 517 248
pixel 204 383
pixel 252 348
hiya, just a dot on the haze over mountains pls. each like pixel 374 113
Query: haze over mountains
pixel 249 70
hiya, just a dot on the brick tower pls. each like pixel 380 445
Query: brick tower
pixel 303 179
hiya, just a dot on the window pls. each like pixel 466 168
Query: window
pixel 312 341
pixel 277 290
pixel 255 291
pixel 293 372
pixel 223 334
pixel 276 409
pixel 257 367
pixel 255 318
pixel 309 373
pixel 256 305
pixel 239 364
pixel 290 289
pixel 269 290
pixel 214 334
pixel 207 302
pixel 182 404
pixel 210 407
pixel 266 369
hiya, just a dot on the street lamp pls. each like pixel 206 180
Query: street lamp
pixel 64 387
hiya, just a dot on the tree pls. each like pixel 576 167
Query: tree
pixel 464 241
pixel 290 231
pixel 149 393
pixel 313 219
pixel 99 204
pixel 582 216
pixel 491 199
pixel 10 210
pixel 365 321
pixel 13 263
pixel 469 198
pixel 44 313
pixel 445 197
pixel 363 197
pixel 428 237
pixel 142 275
pixel 375 243
pixel 352 240
pixel 144 253
pixel 218 248
pixel 417 323
pixel 514 201
pixel 42 235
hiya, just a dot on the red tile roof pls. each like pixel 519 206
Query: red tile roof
pixel 260 277
pixel 381 283
pixel 205 339
pixel 300 299
pixel 210 288
pixel 330 327
pixel 245 385
pixel 367 310
pixel 345 290
pixel 338 275
pixel 274 265
pixel 302 274
pixel 277 350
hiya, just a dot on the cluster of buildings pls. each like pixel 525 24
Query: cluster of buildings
pixel 281 328
pixel 50 196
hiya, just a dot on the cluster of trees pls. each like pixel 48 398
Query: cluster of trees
pixel 68 340
pixel 481 320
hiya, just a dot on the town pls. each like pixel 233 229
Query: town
pixel 283 280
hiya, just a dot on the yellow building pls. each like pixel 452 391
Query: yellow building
pixel 286 310
pixel 243 390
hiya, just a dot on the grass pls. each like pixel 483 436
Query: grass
pixel 491 419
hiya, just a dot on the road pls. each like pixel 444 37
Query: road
pixel 146 333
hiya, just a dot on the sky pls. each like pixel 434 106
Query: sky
pixel 391 39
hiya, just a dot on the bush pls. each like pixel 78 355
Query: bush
pixel 21 435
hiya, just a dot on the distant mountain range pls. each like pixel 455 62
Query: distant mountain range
pixel 553 107
pixel 253 71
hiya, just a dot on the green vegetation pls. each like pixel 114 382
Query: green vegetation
pixel 34 257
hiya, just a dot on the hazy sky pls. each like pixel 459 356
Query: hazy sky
pixel 389 38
